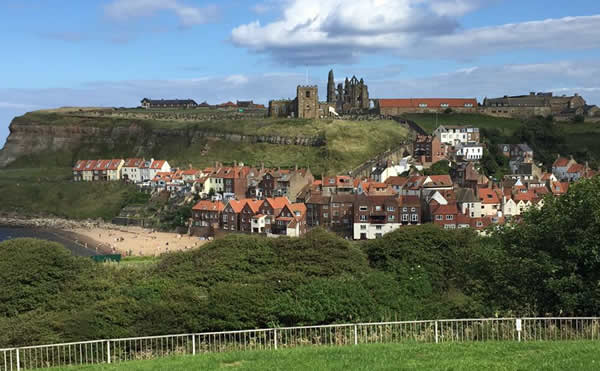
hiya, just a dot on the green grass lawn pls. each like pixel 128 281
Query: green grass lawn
pixel 465 356
pixel 428 121
pixel 43 191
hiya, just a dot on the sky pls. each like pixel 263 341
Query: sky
pixel 116 52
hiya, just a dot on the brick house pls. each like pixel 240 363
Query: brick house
pixel 232 215
pixel 444 215
pixel 291 221
pixel 249 211
pixel 374 216
pixel 317 211
pixel 429 149
pixel 207 214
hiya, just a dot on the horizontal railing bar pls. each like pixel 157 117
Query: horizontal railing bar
pixel 257 331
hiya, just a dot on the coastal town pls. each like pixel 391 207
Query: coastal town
pixel 387 195
pixel 240 198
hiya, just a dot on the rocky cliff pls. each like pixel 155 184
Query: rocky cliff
pixel 37 134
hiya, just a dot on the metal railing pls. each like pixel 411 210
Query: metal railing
pixel 431 331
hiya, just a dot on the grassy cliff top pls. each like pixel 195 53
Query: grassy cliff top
pixel 341 145
pixel 220 121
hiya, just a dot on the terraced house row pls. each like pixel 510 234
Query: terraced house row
pixel 134 170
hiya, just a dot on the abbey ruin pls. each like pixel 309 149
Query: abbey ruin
pixel 347 98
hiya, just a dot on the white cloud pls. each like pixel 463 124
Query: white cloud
pixel 236 79
pixel 187 15
pixel 326 31
pixel 10 105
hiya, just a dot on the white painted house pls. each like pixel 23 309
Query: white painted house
pixel 454 135
pixel 131 170
pixel 159 166
pixel 469 151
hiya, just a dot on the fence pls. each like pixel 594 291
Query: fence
pixel 434 331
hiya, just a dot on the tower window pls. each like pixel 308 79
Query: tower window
pixel 308 94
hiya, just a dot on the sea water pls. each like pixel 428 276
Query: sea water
pixel 8 233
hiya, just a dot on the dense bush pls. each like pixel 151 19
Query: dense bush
pixel 547 264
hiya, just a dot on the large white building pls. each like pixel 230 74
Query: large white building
pixel 454 135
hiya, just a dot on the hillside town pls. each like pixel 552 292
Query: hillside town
pixel 239 198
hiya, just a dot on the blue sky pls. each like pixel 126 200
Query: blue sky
pixel 115 52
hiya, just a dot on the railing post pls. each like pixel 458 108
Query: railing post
pixel 436 332
pixel 108 348
pixel 518 325
pixel 355 335
pixel 193 344
pixel 275 337
pixel 18 361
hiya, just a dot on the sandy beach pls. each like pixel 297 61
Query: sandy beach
pixel 106 238
pixel 134 241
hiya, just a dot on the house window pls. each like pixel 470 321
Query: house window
pixel 363 227
pixel 415 218
pixel 404 217
pixel 378 227
pixel 449 217
pixel 423 105
pixel 363 208
pixel 413 209
pixel 404 209
pixel 326 215
pixel 363 218
pixel 335 204
pixel 479 224
pixel 444 105
pixel 439 217
pixel 391 209
pixel 391 218
pixel 377 208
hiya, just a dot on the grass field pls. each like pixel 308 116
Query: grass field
pixel 473 356
pixel 36 191
pixel 430 121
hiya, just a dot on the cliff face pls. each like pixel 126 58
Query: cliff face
pixel 31 135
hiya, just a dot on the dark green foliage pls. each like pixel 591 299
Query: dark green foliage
pixel 439 168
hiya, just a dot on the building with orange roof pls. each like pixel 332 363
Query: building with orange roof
pixel 559 188
pixel 232 214
pixel 576 172
pixel 561 166
pixel 88 170
pixel 207 214
pixel 158 166
pixel 78 170
pixel 291 221
pixel 114 169
pixel 491 200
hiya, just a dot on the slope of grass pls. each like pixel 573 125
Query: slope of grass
pixel 345 144
pixel 428 121
pixel 473 356
pixel 50 191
